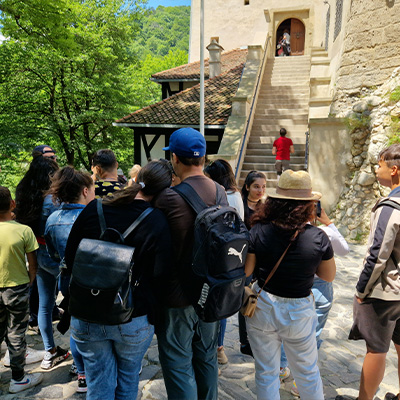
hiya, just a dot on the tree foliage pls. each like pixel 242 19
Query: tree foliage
pixel 69 69
pixel 163 29
pixel 63 72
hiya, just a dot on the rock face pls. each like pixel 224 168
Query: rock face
pixel 369 117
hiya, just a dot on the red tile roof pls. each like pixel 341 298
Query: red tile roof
pixel 183 108
pixel 229 59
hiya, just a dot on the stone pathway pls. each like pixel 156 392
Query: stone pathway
pixel 340 360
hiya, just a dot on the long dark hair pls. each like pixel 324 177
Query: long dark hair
pixel 156 176
pixel 285 213
pixel 29 194
pixel 250 178
pixel 221 172
pixel 67 185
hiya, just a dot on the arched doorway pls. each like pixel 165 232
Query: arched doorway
pixel 296 30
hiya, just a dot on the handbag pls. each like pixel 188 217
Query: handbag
pixel 250 297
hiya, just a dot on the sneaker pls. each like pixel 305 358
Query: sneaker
pixel 73 370
pixel 284 373
pixel 294 390
pixel 32 356
pixel 246 349
pixel 392 396
pixel 29 381
pixel 34 329
pixel 82 387
pixel 51 360
pixel 222 358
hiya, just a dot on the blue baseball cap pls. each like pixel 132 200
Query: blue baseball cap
pixel 187 142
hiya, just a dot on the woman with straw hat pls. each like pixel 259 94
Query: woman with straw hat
pixel 284 255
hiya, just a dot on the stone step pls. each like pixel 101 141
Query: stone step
pixel 299 151
pixel 279 104
pixel 248 166
pixel 281 112
pixel 270 183
pixel 270 125
pixel 284 96
pixel 265 142
pixel 281 119
pixel 294 86
pixel 268 158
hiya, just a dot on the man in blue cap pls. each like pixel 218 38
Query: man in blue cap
pixel 187 345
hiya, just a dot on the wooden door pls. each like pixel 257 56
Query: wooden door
pixel 297 37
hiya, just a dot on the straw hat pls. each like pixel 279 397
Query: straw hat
pixel 294 185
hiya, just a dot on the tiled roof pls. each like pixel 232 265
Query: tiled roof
pixel 229 59
pixel 183 108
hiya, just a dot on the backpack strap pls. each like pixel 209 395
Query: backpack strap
pixel 390 203
pixel 190 195
pixel 102 220
pixel 135 223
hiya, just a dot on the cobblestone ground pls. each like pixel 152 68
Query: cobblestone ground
pixel 340 360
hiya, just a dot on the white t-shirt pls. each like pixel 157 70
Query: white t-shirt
pixel 235 200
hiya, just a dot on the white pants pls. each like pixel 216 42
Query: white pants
pixel 291 322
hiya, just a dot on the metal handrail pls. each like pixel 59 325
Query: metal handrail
pixel 306 150
pixel 252 105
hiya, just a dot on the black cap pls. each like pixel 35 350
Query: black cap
pixel 40 150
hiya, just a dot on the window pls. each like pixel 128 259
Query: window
pixel 246 2
pixel 338 18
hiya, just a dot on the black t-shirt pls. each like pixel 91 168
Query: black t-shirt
pixel 295 274
pixel 106 188
pixel 152 242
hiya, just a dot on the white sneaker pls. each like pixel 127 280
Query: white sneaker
pixel 29 381
pixel 32 356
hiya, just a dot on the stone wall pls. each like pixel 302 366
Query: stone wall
pixel 371 45
pixel 369 119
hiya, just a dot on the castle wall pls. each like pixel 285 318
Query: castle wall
pixel 238 25
pixel 371 45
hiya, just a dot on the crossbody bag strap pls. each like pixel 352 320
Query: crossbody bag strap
pixel 278 262
pixel 137 221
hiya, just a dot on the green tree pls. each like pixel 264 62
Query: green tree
pixel 163 29
pixel 64 73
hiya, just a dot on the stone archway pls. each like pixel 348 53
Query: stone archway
pixel 296 30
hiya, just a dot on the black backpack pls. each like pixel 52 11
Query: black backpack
pixel 101 288
pixel 221 242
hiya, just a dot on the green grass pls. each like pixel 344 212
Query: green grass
pixel 356 122
pixel 395 95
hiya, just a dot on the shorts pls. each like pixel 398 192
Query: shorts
pixel 377 322
pixel 281 165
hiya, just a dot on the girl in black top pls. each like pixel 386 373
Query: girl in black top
pixel 113 353
pixel 285 310
pixel 253 191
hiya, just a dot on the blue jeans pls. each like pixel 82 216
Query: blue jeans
pixel 221 334
pixel 188 354
pixel 47 284
pixel 323 295
pixel 112 355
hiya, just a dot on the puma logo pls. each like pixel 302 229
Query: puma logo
pixel 234 252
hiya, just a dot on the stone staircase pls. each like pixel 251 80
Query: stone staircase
pixel 283 101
